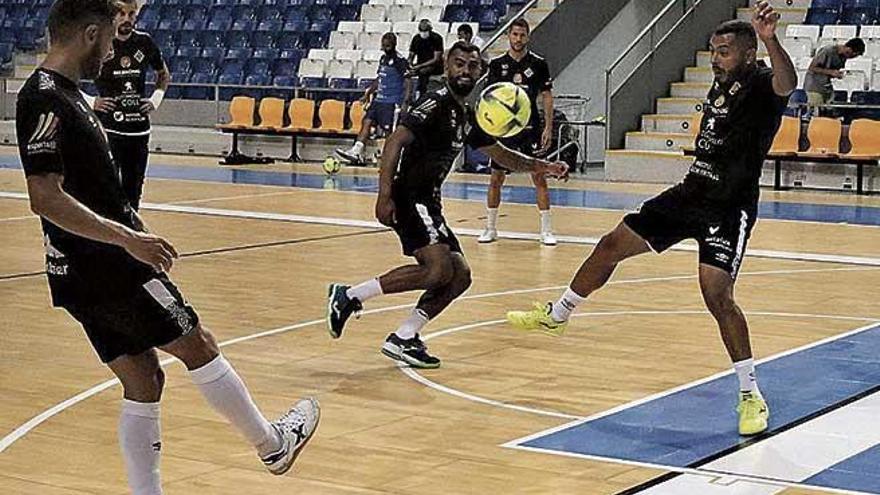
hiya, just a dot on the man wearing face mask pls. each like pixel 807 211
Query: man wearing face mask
pixel 109 273
pixel 716 204
pixel 389 93
pixel 415 162
pixel 426 55
pixel 121 105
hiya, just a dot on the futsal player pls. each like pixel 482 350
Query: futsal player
pixel 425 144
pixel 109 272
pixel 716 204
pixel 121 105
pixel 528 70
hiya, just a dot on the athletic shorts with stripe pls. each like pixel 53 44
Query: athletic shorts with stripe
pixel 420 223
pixel 673 215
pixel 154 316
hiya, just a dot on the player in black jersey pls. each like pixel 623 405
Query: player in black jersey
pixel 121 104
pixel 715 204
pixel 109 272
pixel 427 140
pixel 526 69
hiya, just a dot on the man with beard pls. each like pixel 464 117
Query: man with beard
pixel 109 273
pixel 715 204
pixel 121 106
pixel 392 91
pixel 425 144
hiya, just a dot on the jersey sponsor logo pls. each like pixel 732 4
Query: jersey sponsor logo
pixel 118 116
pixel 719 102
pixel 704 169
pixel 710 124
pixel 129 87
pixel 735 88
pixel 125 62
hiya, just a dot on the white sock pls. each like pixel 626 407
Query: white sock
pixel 366 290
pixel 358 148
pixel 745 372
pixel 545 221
pixel 563 308
pixel 412 325
pixel 141 446
pixel 491 218
pixel 227 394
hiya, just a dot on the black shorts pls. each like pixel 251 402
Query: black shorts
pixel 527 142
pixel 154 316
pixel 673 216
pixel 420 224
pixel 383 115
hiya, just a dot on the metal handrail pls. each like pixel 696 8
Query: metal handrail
pixel 645 32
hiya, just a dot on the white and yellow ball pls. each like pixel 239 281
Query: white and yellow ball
pixel 331 165
pixel 504 110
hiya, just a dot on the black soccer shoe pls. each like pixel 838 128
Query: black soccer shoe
pixel 411 351
pixel 340 307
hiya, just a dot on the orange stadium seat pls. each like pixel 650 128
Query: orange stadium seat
pixel 241 113
pixel 301 113
pixel 332 115
pixel 271 113
pixel 356 115
pixel 824 135
pixel 787 137
pixel 864 135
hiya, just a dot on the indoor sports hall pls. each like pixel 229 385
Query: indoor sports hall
pixel 637 396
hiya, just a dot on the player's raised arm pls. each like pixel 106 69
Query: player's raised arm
pixel 518 162
pixel 765 19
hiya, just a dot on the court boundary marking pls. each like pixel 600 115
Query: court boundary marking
pixel 19 432
pixel 513 235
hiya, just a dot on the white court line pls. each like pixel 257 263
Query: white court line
pixel 37 420
pixel 23 217
pixel 229 198
pixel 344 222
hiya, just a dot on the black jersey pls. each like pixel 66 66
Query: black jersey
pixel 739 122
pixel 59 134
pixel 441 126
pixel 124 79
pixel 531 73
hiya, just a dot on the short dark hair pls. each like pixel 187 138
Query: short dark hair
pixel 742 31
pixel 520 23
pixel 65 16
pixel 463 46
pixel 389 36
pixel 857 45
pixel 466 29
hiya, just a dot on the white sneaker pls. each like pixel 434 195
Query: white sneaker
pixel 488 235
pixel 548 239
pixel 296 428
pixel 350 155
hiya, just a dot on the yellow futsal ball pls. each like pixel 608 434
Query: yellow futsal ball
pixel 504 110
pixel 331 165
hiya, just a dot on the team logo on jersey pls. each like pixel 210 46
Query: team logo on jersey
pixel 529 72
pixel 125 62
pixel 46 81
pixel 139 56
pixel 517 78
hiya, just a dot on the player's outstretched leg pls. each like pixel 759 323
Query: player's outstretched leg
pixel 434 269
pixel 552 318
pixel 717 288
pixel 405 344
pixel 278 443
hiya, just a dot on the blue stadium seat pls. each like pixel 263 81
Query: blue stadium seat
pixel 244 12
pixel 189 52
pixel 170 25
pixel 165 39
pixel 827 4
pixel 40 14
pixel 323 27
pixel 859 16
pixel 288 41
pixel 346 13
pixel 263 39
pixel 866 97
pixel 223 3
pixel 296 26
pixel 238 39
pixel 488 19
pixel 214 52
pixel 220 25
pixel 204 66
pixel 241 54
pixel 233 67
pixel 189 38
pixel 212 38
pixel 270 13
pixel 457 13
pixel 301 3
pixel 839 97
pixel 220 13
pixel 313 39
pixel 149 14
pixel 266 54
pixel 246 25
pixel 196 12
pixel 172 14
pixel 365 82
pixel 270 26
pixel 313 82
pixel 252 3
pixel 296 14
pixel 285 81
pixel 203 3
pixel 321 13
pixel 194 25
pixel 199 92
pixel 818 17
pixel 180 65
pixel 255 66
pixel 329 3
pixel 148 25
pixel 257 80
pixel 287 68
pixel 227 94
pixel 291 55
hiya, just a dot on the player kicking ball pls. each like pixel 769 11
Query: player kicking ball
pixel 425 144
pixel 716 203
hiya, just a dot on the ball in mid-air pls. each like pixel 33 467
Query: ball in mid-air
pixel 504 110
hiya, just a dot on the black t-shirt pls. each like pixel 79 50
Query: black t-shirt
pixel 124 78
pixel 424 48
pixel 739 122
pixel 59 134
pixel 531 73
pixel 442 126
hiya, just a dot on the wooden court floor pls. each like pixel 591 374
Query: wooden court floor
pixel 382 432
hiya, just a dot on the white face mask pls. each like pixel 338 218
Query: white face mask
pixel 424 34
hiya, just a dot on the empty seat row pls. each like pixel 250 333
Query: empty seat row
pixel 332 116
pixel 824 136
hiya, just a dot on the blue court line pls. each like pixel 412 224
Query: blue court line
pixel 773 210
pixel 690 426
pixel 860 472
